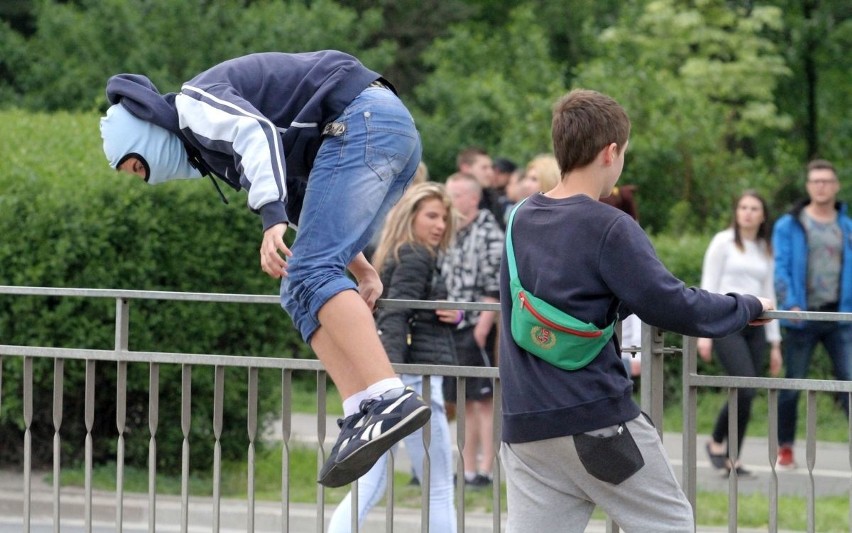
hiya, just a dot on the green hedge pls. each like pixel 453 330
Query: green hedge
pixel 68 220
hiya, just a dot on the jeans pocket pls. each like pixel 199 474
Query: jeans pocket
pixel 611 459
pixel 391 141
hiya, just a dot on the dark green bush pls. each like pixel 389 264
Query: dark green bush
pixel 68 220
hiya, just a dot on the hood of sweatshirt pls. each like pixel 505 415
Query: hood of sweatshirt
pixel 142 124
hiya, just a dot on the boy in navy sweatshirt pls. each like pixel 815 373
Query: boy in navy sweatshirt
pixel 574 439
pixel 319 140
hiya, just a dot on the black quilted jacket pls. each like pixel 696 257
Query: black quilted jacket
pixel 409 335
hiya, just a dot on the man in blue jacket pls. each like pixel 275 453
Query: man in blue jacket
pixel 813 272
pixel 316 139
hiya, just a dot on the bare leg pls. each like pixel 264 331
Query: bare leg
pixel 471 435
pixel 486 428
pixel 348 345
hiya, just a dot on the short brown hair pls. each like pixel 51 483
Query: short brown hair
pixel 468 156
pixel 821 164
pixel 584 123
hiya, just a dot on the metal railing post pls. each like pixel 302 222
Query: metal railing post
pixel 286 424
pixel 122 329
pixel 58 387
pixel 185 423
pixel 90 422
pixel 690 407
pixel 218 408
pixel 28 420
pixel 652 375
pixel 153 424
pixel 251 422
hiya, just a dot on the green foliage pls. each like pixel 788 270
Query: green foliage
pixel 723 96
pixel 68 220
pixel 490 87
pixel 411 25
pixel 816 38
pixel 698 82
pixel 151 37
pixel 12 59
pixel 682 254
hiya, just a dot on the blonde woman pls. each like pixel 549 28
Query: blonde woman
pixel 541 174
pixel 417 230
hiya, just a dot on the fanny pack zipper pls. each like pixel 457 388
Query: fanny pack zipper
pixel 528 306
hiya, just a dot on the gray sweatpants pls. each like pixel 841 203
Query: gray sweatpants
pixel 549 489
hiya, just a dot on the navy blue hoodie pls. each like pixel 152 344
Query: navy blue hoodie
pixel 593 261
pixel 254 121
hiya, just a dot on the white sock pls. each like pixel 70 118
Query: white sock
pixel 352 404
pixel 380 387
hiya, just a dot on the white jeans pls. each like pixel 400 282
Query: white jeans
pixel 371 487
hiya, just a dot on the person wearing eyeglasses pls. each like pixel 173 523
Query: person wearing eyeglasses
pixel 813 272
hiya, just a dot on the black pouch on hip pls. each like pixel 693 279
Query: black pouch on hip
pixel 612 458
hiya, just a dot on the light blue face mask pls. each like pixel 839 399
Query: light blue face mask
pixel 161 151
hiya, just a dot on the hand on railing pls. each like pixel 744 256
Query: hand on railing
pixel 768 305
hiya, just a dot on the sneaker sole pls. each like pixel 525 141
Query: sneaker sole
pixel 362 460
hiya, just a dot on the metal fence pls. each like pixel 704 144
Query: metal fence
pixel 218 516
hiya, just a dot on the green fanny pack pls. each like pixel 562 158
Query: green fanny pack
pixel 544 330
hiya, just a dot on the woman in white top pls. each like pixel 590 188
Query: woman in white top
pixel 739 259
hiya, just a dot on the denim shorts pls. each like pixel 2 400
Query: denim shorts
pixel 360 172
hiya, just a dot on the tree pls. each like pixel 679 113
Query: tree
pixel 698 79
pixel 490 87
pixel 412 25
pixel 818 94
pixel 151 37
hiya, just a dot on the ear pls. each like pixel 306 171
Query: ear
pixel 610 154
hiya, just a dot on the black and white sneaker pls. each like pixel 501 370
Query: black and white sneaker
pixel 348 427
pixel 365 436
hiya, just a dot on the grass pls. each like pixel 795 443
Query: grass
pixel 832 513
pixel 831 424
pixel 267 476
pixel 304 398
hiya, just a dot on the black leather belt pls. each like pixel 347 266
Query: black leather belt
pixel 379 84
